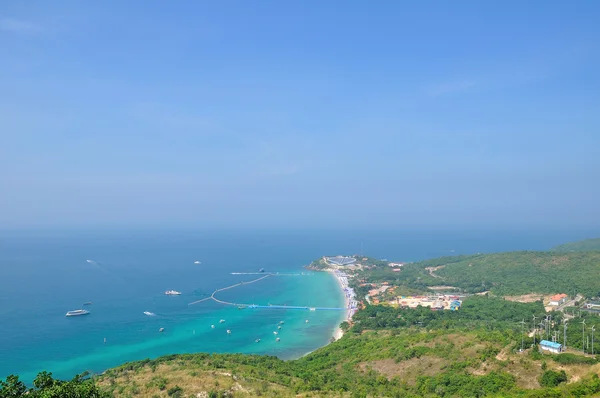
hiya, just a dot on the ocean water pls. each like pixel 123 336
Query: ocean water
pixel 46 273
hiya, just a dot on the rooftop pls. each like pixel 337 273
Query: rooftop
pixel 557 297
pixel 550 344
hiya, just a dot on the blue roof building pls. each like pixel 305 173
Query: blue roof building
pixel 551 346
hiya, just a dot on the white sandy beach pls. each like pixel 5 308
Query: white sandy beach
pixel 338 333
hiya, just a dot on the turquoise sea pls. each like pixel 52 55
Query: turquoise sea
pixel 46 273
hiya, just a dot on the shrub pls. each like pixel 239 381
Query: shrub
pixel 551 378
pixel 175 392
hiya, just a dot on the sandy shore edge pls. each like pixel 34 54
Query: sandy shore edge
pixel 338 332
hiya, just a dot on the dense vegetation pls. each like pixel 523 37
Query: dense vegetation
pixel 45 386
pixel 580 246
pixel 511 273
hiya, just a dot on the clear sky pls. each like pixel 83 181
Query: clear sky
pixel 299 113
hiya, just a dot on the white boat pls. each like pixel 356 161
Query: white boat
pixel 312 309
pixel 277 339
pixel 161 329
pixel 77 312
pixel 278 327
pixel 307 321
pixel 212 326
pixel 228 331
pixel 222 321
pixel 274 332
pixel 172 293
pixel 257 341
pixel 149 313
pixel 197 262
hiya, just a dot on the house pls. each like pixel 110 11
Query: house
pixel 558 299
pixel 551 346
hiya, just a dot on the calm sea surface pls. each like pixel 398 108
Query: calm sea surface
pixel 45 274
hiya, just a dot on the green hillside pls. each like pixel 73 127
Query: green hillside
pixel 579 246
pixel 512 273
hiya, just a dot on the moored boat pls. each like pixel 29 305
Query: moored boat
pixel 77 313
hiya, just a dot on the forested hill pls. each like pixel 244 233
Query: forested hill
pixel 512 273
pixel 579 246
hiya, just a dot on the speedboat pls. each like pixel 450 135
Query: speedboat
pixel 261 270
pixel 212 326
pixel 172 293
pixel 257 341
pixel 228 331
pixel 278 327
pixel 161 329
pixel 274 332
pixel 222 321
pixel 77 313
pixel 277 339
pixel 197 262
pixel 149 313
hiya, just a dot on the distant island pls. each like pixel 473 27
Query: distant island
pixel 517 324
pixel 580 246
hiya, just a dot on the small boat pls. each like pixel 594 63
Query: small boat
pixel 161 329
pixel 312 309
pixel 274 332
pixel 88 303
pixel 172 293
pixel 277 339
pixel 197 262
pixel 307 321
pixel 222 321
pixel 228 331
pixel 149 313
pixel 281 322
pixel 212 326
pixel 278 327
pixel 257 341
pixel 77 313
pixel 261 270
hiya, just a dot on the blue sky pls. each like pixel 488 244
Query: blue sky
pixel 271 113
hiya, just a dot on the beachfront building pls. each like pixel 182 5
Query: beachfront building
pixel 551 346
pixel 340 260
pixel 558 299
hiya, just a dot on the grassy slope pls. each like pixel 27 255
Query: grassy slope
pixel 412 362
pixel 579 246
pixel 511 273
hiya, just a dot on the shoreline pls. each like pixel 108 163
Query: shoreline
pixel 348 295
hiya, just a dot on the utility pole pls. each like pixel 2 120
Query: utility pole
pixel 583 335
pixel 522 335
pixel 534 329
pixel 593 326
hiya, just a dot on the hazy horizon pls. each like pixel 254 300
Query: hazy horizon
pixel 299 115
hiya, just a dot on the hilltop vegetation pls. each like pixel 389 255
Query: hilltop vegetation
pixel 579 246
pixel 512 273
